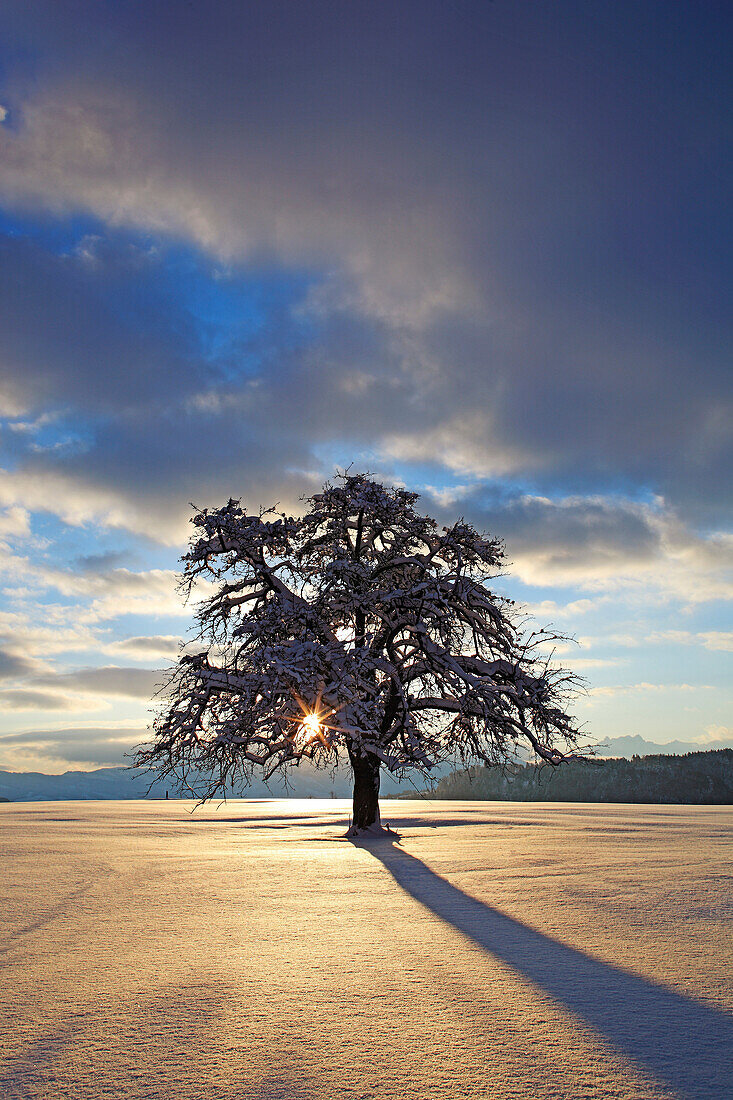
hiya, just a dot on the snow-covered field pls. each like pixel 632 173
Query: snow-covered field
pixel 496 950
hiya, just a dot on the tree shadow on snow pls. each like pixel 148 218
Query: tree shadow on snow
pixel 681 1041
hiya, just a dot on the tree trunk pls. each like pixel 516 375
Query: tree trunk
pixel 366 791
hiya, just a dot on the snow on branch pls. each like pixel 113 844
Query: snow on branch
pixel 360 627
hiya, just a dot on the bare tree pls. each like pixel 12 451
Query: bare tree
pixel 362 628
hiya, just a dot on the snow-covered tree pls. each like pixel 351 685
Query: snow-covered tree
pixel 360 629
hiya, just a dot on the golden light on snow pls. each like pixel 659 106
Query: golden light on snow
pixel 522 992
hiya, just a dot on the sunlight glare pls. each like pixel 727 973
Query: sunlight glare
pixel 311 725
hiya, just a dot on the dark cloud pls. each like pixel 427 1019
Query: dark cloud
pixel 59 691
pixel 600 541
pixel 14 665
pixel 28 699
pixel 158 645
pixel 516 267
pixel 575 532
pixel 102 734
pixel 84 744
pixel 100 563
pixel 136 683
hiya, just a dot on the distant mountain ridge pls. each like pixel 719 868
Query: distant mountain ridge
pixel 122 783
pixel 634 745
pixel 304 782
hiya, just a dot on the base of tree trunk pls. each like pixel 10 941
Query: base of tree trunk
pixel 371 831
pixel 365 818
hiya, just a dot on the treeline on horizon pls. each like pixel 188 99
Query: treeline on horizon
pixel 697 778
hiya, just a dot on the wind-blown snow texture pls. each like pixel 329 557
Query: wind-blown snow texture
pixel 249 950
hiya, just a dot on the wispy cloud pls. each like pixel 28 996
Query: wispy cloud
pixel 644 689
pixel 147 646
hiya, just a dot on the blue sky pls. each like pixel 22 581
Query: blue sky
pixel 481 249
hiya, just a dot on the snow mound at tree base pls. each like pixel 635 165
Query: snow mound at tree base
pixel 375 831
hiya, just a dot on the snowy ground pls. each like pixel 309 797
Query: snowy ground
pixel 497 950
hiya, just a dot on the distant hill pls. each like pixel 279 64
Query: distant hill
pixel 697 778
pixel 103 783
pixel 121 783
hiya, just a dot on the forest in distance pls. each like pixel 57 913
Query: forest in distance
pixel 696 778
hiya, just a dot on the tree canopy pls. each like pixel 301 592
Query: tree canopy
pixel 360 628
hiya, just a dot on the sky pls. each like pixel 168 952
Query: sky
pixel 480 249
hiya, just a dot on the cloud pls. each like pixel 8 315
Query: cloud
pixel 45 749
pixel 576 538
pixel 15 665
pixel 710 639
pixel 153 645
pixel 84 325
pixel 30 699
pixel 100 563
pixel 109 592
pixel 476 295
pixel 48 630
pixel 645 689
pixel 14 523
pixel 104 147
pixel 717 733
pixel 135 683
pixel 82 689
pixel 551 609
pixel 601 544
pixel 716 639
pixel 118 734
pixel 580 664
pixel 719 640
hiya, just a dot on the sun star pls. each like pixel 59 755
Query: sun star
pixel 310 726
